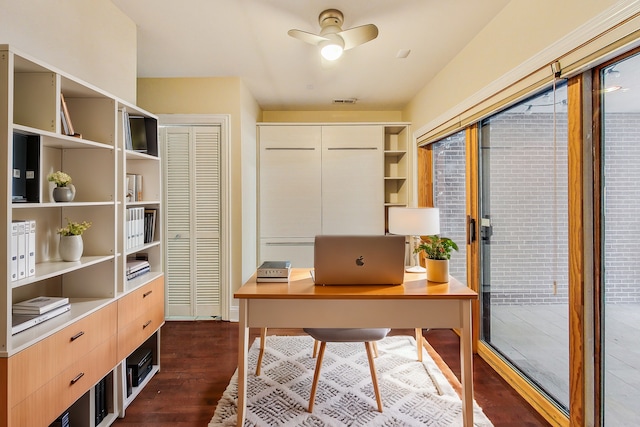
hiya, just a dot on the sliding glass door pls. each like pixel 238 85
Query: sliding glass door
pixel 523 240
pixel 620 243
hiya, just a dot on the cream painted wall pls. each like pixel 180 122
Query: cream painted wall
pixel 250 114
pixel 91 40
pixel 223 95
pixel 331 116
pixel 520 32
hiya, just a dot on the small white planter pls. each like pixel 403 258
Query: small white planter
pixel 71 248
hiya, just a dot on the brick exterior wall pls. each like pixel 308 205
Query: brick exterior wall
pixel 449 157
pixel 622 224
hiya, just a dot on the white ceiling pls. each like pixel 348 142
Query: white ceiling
pixel 248 38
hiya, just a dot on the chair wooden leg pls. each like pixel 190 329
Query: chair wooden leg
pixel 315 348
pixel 316 376
pixel 374 376
pixel 263 338
pixel 419 343
pixel 375 348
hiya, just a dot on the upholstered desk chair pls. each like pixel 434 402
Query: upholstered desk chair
pixel 368 335
pixel 263 337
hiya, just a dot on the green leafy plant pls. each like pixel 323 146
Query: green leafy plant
pixel 436 247
pixel 74 228
pixel 61 179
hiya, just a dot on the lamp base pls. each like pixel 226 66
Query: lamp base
pixel 415 269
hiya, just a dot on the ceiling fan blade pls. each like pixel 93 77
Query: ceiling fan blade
pixel 358 35
pixel 306 37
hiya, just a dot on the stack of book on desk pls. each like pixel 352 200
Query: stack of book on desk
pixel 137 267
pixel 36 310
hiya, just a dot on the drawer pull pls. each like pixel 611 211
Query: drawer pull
pixel 77 378
pixel 76 336
pixel 146 324
pixel 146 294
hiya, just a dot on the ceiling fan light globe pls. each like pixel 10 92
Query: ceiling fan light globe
pixel 331 51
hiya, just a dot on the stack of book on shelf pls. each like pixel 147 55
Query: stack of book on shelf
pixel 137 267
pixel 135 227
pixel 23 249
pixel 34 311
pixel 101 400
pixel 134 188
pixel 61 421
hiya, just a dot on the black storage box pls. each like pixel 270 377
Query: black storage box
pixel 140 362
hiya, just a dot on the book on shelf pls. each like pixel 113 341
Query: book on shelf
pixel 149 224
pixel 67 126
pixel 137 267
pixel 21 322
pixel 134 187
pixel 39 305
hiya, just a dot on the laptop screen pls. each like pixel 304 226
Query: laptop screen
pixel 359 260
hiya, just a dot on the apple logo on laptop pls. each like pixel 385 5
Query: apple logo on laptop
pixel 360 261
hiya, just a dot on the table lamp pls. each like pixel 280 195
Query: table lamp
pixel 414 222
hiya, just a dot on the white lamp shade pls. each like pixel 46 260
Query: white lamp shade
pixel 414 221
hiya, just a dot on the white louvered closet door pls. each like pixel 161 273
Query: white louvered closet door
pixel 192 156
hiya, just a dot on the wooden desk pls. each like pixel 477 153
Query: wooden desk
pixel 301 304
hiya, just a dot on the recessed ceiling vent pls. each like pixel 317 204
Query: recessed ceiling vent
pixel 345 101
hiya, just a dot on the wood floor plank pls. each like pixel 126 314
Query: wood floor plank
pixel 199 358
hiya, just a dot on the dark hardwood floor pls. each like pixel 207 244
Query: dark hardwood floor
pixel 198 359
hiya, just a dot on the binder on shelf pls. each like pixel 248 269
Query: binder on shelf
pixel 21 322
pixel 21 253
pixel 30 233
pixel 26 166
pixel 39 305
pixel 14 251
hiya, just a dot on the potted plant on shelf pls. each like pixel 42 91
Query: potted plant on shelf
pixel 71 245
pixel 437 251
pixel 64 190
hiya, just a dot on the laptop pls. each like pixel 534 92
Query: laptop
pixel 359 260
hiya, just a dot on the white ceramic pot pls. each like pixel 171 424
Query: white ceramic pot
pixel 437 270
pixel 70 248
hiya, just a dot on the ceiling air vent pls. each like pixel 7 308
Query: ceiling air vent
pixel 345 101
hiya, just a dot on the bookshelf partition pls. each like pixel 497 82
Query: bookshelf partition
pixel 72 363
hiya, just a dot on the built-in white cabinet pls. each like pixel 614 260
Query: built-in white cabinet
pixel 76 362
pixel 326 179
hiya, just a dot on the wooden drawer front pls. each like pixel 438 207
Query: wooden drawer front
pixel 43 406
pixel 36 365
pixel 133 305
pixel 135 333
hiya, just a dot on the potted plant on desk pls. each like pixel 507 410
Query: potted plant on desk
pixel 437 251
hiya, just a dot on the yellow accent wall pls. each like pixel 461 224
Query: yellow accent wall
pixel 220 95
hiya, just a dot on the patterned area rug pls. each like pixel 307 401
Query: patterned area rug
pixel 413 393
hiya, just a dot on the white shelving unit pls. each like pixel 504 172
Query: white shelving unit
pixel 52 368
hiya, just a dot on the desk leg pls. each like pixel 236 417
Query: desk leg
pixel 243 344
pixel 466 364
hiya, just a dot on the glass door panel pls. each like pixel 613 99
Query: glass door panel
pixel 523 233
pixel 449 192
pixel 620 107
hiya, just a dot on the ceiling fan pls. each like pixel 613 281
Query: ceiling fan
pixel 333 40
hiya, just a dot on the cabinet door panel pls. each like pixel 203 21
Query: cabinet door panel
pixel 298 251
pixel 290 204
pixel 352 180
